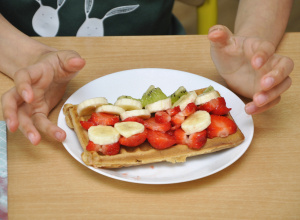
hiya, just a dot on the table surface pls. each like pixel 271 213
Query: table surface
pixel 46 182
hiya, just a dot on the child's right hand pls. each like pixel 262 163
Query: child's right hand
pixel 38 89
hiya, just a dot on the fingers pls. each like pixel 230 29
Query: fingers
pixel 23 82
pixel 219 36
pixel 70 61
pixel 44 125
pixel 251 108
pixel 263 50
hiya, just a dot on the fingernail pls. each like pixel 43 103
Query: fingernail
pixel 58 136
pixel 261 99
pixel 31 137
pixel 258 62
pixel 268 82
pixel 25 95
pixel 250 109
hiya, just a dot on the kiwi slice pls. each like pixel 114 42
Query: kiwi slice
pixel 152 95
pixel 126 97
pixel 209 89
pixel 177 94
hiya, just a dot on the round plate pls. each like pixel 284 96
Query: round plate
pixel 134 83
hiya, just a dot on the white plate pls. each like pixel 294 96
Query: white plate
pixel 134 83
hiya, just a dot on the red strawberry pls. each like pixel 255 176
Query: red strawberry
pixel 215 106
pixel 173 111
pixel 134 140
pixel 177 119
pixel 153 125
pixel 136 119
pixel 189 109
pixel 180 136
pixel 87 124
pixel 162 117
pixel 100 118
pixel 93 147
pixel 197 140
pixel 110 149
pixel 160 140
pixel 220 126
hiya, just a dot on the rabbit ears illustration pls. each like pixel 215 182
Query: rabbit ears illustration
pixel 59 3
pixel 115 11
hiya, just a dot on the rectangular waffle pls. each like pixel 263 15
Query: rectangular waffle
pixel 143 154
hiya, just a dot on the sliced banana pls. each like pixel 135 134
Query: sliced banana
pixel 160 105
pixel 206 97
pixel 129 128
pixel 88 106
pixel 129 104
pixel 111 109
pixel 196 122
pixel 186 99
pixel 103 134
pixel 143 113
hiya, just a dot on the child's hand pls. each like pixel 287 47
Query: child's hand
pixel 38 88
pixel 250 67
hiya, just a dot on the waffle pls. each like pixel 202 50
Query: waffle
pixel 144 153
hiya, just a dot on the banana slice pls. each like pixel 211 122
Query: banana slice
pixel 196 122
pixel 186 99
pixel 88 106
pixel 129 128
pixel 111 109
pixel 129 104
pixel 206 97
pixel 160 105
pixel 103 134
pixel 143 113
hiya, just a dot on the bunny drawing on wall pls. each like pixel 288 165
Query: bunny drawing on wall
pixel 94 26
pixel 45 21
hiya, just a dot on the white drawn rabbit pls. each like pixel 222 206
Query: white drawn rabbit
pixel 94 26
pixel 45 21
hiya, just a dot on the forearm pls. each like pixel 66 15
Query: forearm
pixel 265 19
pixel 17 50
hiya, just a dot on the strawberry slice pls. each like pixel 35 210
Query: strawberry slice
pixel 136 119
pixel 153 125
pixel 134 140
pixel 189 109
pixel 100 118
pixel 215 106
pixel 177 120
pixel 160 140
pixel 180 136
pixel 111 149
pixel 173 111
pixel 221 126
pixel 162 117
pixel 87 124
pixel 93 147
pixel 197 140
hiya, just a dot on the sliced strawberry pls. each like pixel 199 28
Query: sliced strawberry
pixel 180 136
pixel 111 149
pixel 162 117
pixel 136 119
pixel 100 118
pixel 153 125
pixel 197 140
pixel 189 109
pixel 177 119
pixel 173 111
pixel 215 106
pixel 160 140
pixel 220 126
pixel 134 140
pixel 93 147
pixel 87 124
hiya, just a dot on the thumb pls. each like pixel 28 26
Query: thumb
pixel 70 61
pixel 220 36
